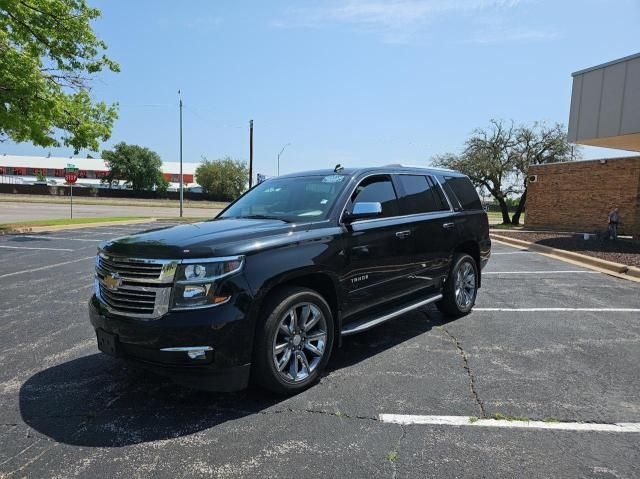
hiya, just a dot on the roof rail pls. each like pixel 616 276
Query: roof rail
pixel 400 165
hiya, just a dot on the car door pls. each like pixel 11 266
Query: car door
pixel 429 231
pixel 374 269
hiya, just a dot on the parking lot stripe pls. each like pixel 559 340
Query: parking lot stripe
pixel 572 271
pixel 408 419
pixel 58 238
pixel 46 267
pixel 27 247
pixel 586 310
pixel 513 252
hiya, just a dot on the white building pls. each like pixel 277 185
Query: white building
pixel 24 170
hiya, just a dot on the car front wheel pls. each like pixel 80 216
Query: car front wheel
pixel 294 341
pixel 461 287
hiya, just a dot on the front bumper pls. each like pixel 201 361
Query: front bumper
pixel 227 329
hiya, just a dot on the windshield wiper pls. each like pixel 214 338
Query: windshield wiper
pixel 263 217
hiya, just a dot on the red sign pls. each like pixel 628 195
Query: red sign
pixel 71 177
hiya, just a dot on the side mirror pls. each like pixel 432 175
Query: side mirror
pixel 363 210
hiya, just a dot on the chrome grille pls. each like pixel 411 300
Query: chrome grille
pixel 129 301
pixel 138 288
pixel 130 269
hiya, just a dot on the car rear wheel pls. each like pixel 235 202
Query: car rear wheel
pixel 294 340
pixel 461 287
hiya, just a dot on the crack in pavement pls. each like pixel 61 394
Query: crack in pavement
pixel 467 367
pixel 396 451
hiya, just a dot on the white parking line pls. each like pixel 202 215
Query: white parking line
pixel 46 267
pixel 571 271
pixel 58 238
pixel 408 419
pixel 105 229
pixel 27 247
pixel 513 252
pixel 585 310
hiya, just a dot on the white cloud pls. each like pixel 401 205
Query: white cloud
pixel 402 13
pixel 399 21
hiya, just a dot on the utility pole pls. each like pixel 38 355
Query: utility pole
pixel 250 153
pixel 181 184
pixel 281 151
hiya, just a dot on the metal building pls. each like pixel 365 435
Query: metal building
pixel 605 105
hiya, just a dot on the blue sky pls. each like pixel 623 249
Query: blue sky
pixel 355 82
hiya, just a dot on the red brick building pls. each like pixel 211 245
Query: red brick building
pixel 577 196
pixel 605 111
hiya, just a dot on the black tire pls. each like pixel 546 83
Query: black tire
pixel 451 304
pixel 276 311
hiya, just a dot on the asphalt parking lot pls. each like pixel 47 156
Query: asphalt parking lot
pixel 547 341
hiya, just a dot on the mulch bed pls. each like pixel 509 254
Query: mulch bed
pixel 624 251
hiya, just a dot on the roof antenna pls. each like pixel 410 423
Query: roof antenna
pixel 338 168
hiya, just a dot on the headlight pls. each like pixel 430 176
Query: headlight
pixel 197 282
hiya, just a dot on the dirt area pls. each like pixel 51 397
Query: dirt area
pixel 624 251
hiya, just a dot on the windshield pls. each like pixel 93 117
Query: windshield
pixel 308 198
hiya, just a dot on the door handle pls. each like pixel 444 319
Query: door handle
pixel 448 226
pixel 403 234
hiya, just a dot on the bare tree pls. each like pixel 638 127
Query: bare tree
pixel 498 157
pixel 489 160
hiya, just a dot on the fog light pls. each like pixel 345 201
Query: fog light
pixel 194 352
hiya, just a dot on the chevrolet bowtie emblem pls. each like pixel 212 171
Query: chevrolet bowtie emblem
pixel 112 281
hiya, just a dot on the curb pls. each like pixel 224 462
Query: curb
pixel 43 229
pixel 616 269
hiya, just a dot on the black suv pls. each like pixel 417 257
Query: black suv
pixel 266 289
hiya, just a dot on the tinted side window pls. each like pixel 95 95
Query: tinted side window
pixel 461 193
pixel 418 195
pixel 377 189
pixel 466 193
pixel 437 191
pixel 455 204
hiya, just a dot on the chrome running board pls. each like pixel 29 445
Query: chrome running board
pixel 363 325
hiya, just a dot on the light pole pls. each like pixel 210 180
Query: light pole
pixel 181 184
pixel 250 153
pixel 281 151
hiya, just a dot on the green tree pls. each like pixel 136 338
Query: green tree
pixel 226 178
pixel 138 167
pixel 48 55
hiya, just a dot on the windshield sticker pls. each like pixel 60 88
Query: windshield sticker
pixel 324 202
pixel 333 179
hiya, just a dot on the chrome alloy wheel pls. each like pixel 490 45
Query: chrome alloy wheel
pixel 300 341
pixel 465 285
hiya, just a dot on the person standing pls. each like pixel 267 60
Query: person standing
pixel 614 219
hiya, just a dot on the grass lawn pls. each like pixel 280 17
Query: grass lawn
pixel 9 227
pixel 496 217
pixel 66 221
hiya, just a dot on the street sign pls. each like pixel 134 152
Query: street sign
pixel 71 177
